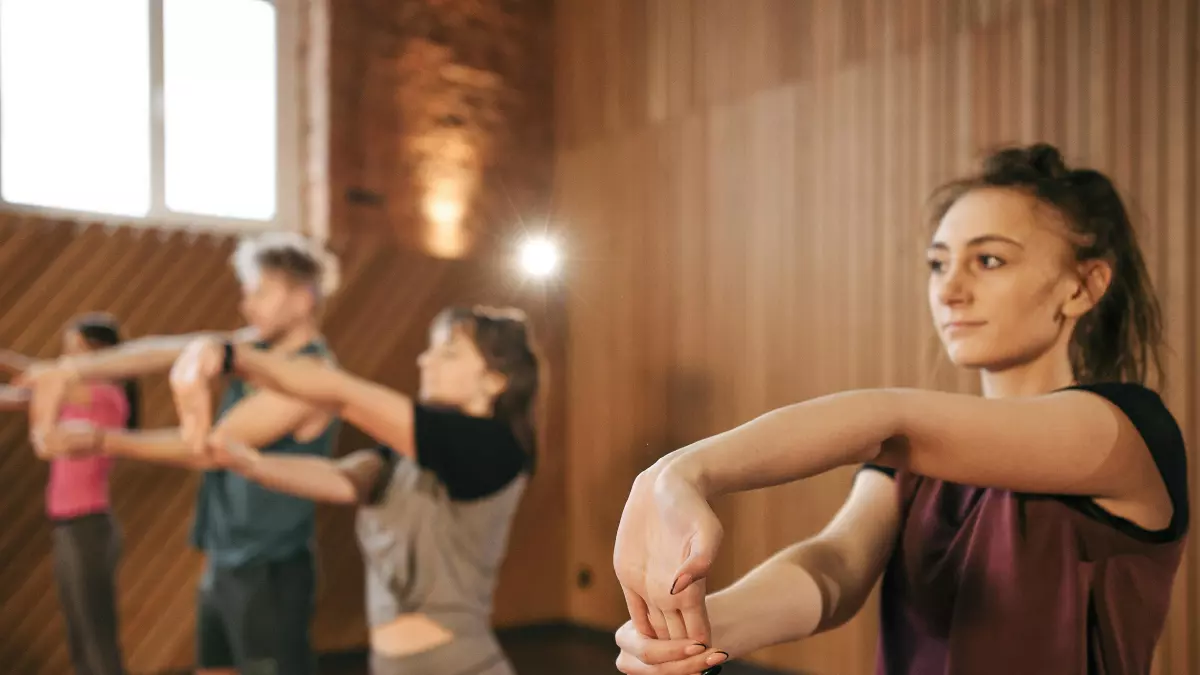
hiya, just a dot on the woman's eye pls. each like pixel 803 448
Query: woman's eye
pixel 935 265
pixel 990 262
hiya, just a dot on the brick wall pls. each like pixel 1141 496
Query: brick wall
pixel 438 106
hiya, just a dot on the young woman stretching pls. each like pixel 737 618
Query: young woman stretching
pixel 1036 529
pixel 86 540
pixel 438 496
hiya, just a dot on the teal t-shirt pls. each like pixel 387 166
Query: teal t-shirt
pixel 239 522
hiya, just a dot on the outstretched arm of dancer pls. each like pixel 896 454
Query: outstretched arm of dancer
pixel 14 363
pixel 387 415
pixel 51 380
pixel 143 356
pixel 14 398
pixel 257 420
pixel 353 479
pixel 164 446
pixel 810 587
pixel 1069 442
pixel 383 413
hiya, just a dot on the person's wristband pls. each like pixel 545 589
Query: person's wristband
pixel 228 362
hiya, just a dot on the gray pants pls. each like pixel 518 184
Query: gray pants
pixel 464 655
pixel 256 617
pixel 86 552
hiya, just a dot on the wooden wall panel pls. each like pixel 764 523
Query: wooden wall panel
pixel 159 282
pixel 744 183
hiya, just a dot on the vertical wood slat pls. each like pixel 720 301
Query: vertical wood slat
pixel 169 283
pixel 823 288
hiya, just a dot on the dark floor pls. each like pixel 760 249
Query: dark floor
pixel 544 651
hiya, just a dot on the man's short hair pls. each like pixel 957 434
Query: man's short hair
pixel 299 259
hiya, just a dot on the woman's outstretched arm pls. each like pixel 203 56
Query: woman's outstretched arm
pixel 350 480
pixel 383 413
pixel 1068 442
pixel 14 398
pixel 14 363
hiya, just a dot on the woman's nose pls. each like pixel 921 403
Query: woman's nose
pixel 954 286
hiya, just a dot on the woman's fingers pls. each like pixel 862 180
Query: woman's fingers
pixel 661 630
pixel 651 651
pixel 675 626
pixel 683 614
pixel 694 665
pixel 694 613
pixel 638 612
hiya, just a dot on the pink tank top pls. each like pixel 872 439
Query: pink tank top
pixel 79 486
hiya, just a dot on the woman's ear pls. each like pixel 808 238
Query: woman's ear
pixel 1094 279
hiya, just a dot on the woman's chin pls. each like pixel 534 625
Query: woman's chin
pixel 962 356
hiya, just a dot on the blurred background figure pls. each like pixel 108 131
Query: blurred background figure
pixel 86 538
pixel 256 593
pixel 438 493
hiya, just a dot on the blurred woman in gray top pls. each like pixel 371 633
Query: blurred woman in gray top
pixel 437 496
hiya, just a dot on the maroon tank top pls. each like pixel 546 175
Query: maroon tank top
pixel 986 581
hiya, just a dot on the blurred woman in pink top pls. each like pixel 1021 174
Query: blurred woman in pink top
pixel 85 536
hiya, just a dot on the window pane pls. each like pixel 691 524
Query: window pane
pixel 75 104
pixel 219 107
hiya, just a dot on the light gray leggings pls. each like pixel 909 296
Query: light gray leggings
pixel 86 552
pixel 464 655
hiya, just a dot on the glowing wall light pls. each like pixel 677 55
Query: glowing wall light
pixel 444 209
pixel 539 257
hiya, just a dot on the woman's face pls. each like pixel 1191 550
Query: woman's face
pixel 454 372
pixel 1003 285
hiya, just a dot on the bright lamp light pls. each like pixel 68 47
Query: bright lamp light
pixel 539 257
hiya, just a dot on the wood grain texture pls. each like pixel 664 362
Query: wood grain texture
pixel 744 184
pixel 171 283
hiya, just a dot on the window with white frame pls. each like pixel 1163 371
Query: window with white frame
pixel 160 109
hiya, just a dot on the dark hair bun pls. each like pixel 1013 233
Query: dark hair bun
pixel 99 328
pixel 1031 164
pixel 1047 160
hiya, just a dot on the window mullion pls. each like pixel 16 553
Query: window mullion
pixel 158 199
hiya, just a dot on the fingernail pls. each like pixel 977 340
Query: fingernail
pixel 717 657
pixel 696 649
pixel 681 578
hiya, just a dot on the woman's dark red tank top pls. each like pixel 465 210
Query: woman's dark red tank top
pixel 986 581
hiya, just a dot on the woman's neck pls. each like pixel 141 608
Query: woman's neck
pixel 1042 376
pixel 476 408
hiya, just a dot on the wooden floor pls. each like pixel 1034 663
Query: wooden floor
pixel 544 651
